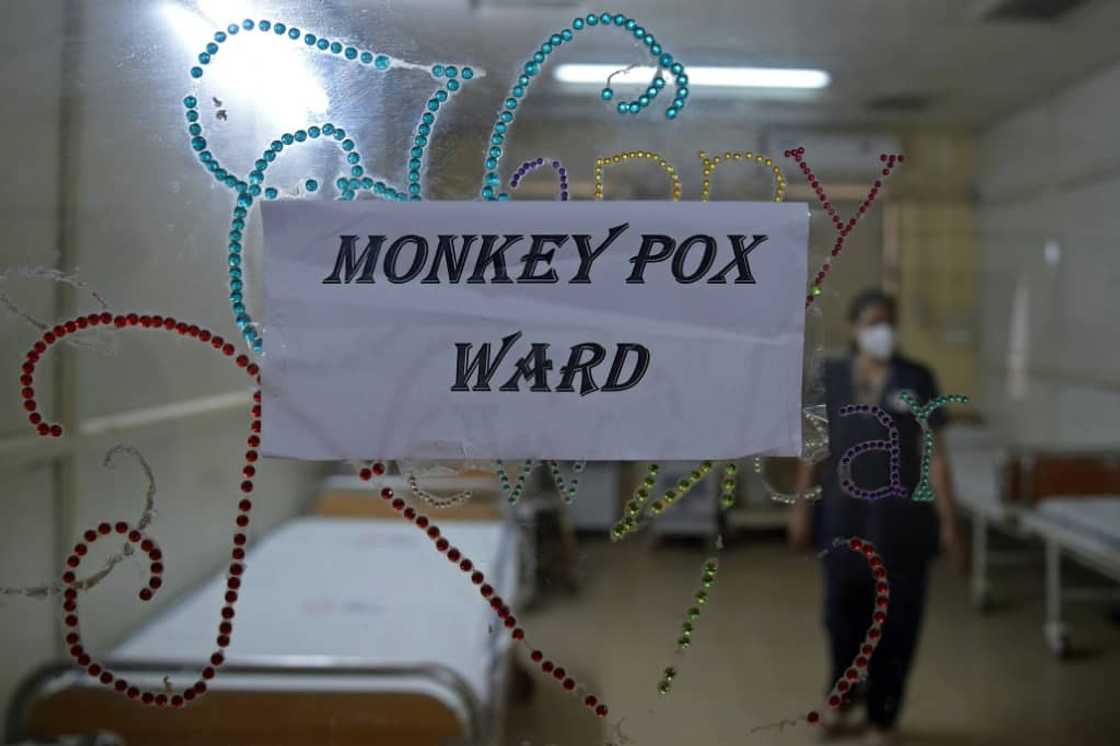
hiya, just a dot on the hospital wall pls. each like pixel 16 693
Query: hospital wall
pixel 1048 182
pixel 148 236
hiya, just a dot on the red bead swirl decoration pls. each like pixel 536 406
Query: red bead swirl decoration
pixel 857 671
pixel 136 537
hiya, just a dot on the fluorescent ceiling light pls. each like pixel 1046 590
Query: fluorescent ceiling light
pixel 729 77
pixel 268 72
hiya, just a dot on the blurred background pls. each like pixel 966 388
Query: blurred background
pixel 997 236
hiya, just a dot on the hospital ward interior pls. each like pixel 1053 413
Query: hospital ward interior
pixel 782 407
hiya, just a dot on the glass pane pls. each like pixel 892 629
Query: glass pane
pixel 927 571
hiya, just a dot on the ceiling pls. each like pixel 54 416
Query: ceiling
pixel 968 70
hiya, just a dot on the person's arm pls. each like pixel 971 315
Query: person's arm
pixel 800 532
pixel 945 502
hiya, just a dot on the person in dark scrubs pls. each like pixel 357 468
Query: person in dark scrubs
pixel 906 533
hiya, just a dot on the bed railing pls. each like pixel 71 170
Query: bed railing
pixel 56 677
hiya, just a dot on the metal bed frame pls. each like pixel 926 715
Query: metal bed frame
pixel 1058 538
pixel 480 726
pixel 1023 522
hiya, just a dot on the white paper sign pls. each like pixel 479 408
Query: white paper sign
pixel 547 330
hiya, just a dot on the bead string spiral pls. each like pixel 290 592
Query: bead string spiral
pixel 450 77
pixel 134 534
pixel 491 180
pixel 90 581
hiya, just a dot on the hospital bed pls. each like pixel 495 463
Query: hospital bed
pixel 1064 499
pixel 978 467
pixel 349 632
pixel 348 496
pixel 1086 528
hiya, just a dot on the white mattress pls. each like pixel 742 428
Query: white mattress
pixel 1097 517
pixel 373 593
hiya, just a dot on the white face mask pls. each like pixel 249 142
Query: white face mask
pixel 876 340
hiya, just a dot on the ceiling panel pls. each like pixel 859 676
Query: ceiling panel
pixel 968 69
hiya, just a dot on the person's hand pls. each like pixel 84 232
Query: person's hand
pixel 954 548
pixel 799 532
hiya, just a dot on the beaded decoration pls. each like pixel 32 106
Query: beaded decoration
pixel 350 184
pixel 373 469
pixel 377 469
pixel 532 67
pixel 710 164
pixel 924 491
pixel 857 672
pixel 842 228
pixel 528 167
pixel 455 556
pixel 727 487
pixel 91 581
pixel 134 534
pixel 788 498
pixel 894 488
pixel 357 181
pixel 814 448
pixel 612 160
pixel 513 492
pixel 436 501
pixel 567 489
pixel 657 507
pixel 711 567
pixel 633 519
pixel 631 512
pixel 814 421
pixel 54 275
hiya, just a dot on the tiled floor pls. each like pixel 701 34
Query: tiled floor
pixel 758 657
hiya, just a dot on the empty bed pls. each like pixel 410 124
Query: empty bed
pixel 347 632
pixel 1086 528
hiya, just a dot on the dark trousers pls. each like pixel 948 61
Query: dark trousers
pixel 849 594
